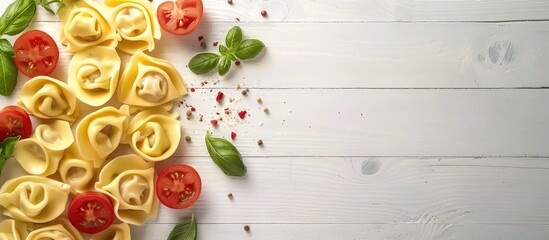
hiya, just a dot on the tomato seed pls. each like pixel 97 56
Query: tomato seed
pixel 264 13
pixel 203 44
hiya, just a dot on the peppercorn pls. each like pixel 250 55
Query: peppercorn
pixel 246 228
pixel 260 142
pixel 230 196
pixel 264 13
pixel 188 138
pixel 244 92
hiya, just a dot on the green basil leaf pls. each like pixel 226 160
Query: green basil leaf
pixel 49 5
pixel 6 48
pixel 203 62
pixel 184 231
pixel 224 66
pixel 223 50
pixel 234 38
pixel 249 49
pixel 6 149
pixel 225 156
pixel 17 17
pixel 232 57
pixel 8 75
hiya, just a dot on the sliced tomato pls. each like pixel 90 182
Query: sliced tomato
pixel 178 186
pixel 14 121
pixel 91 212
pixel 180 17
pixel 36 53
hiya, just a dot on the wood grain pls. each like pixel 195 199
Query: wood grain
pixel 362 11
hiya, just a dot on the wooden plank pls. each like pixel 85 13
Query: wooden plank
pixel 379 55
pixel 372 122
pixel 353 231
pixel 357 10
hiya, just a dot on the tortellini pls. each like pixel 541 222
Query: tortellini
pixel 33 198
pixel 150 82
pixel 99 133
pixel 60 229
pixel 136 23
pixel 40 154
pixel 49 98
pixel 129 180
pixel 93 74
pixel 13 230
pixel 78 173
pixel 84 25
pixel 114 232
pixel 154 134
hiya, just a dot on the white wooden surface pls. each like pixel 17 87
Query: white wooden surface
pixel 395 119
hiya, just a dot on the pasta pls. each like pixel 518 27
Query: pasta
pixel 13 230
pixel 154 135
pixel 78 173
pixel 136 23
pixel 149 82
pixel 114 232
pixel 40 154
pixel 129 180
pixel 60 229
pixel 33 198
pixel 83 25
pixel 93 74
pixel 49 98
pixel 99 133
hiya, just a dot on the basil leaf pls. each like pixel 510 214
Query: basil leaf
pixel 6 149
pixel 224 66
pixel 8 75
pixel 223 50
pixel 203 62
pixel 6 48
pixel 47 4
pixel 232 57
pixel 234 38
pixel 17 17
pixel 184 231
pixel 249 48
pixel 225 156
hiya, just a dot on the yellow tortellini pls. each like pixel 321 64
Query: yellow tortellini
pixel 129 180
pixel 99 133
pixel 40 154
pixel 33 198
pixel 83 24
pixel 136 23
pixel 114 232
pixel 78 173
pixel 93 74
pixel 154 134
pixel 60 229
pixel 49 98
pixel 13 230
pixel 150 82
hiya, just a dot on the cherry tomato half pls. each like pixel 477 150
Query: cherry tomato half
pixel 91 212
pixel 180 17
pixel 36 53
pixel 14 121
pixel 178 186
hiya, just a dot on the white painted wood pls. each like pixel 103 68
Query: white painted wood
pixel 379 55
pixel 360 10
pixel 355 231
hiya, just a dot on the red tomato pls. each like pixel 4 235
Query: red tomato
pixel 91 212
pixel 180 17
pixel 14 121
pixel 178 186
pixel 36 53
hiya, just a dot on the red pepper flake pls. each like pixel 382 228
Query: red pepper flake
pixel 215 43
pixel 237 63
pixel 238 19
pixel 200 38
pixel 216 113
pixel 213 122
pixel 219 97
pixel 193 109
pixel 211 90
pixel 242 114
pixel 233 135
pixel 264 13
pixel 192 89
